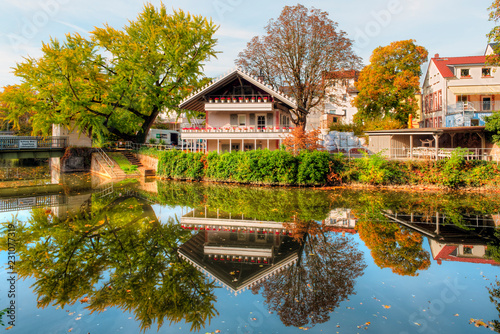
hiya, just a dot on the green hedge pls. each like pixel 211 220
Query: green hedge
pixel 320 168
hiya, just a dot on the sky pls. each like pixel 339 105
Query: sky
pixel 447 27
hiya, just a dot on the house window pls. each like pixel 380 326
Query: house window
pixel 467 250
pixel 486 72
pixel 344 97
pixel 464 73
pixel 344 112
pixel 242 120
pixel 440 100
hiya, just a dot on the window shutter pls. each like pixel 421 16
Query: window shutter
pixel 270 119
pixel 233 119
pixel 251 120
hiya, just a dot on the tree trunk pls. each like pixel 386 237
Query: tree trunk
pixel 146 126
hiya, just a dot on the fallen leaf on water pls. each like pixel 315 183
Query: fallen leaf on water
pixel 69 330
pixel 10 327
pixel 386 306
pixel 456 315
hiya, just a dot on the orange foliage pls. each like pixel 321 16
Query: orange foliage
pixel 300 140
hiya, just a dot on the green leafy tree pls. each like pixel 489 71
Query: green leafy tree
pixel 116 81
pixel 387 86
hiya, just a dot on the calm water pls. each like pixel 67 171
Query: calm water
pixel 174 257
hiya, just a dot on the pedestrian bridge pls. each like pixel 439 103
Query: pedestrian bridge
pixel 21 147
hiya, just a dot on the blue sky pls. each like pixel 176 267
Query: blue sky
pixel 448 27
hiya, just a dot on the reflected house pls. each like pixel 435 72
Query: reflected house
pixel 340 220
pixel 238 252
pixel 462 239
pixel 241 113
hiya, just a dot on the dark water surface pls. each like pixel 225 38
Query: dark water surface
pixel 172 257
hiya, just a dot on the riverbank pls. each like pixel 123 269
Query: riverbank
pixel 321 169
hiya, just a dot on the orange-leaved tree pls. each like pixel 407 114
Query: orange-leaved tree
pixel 300 140
pixel 387 86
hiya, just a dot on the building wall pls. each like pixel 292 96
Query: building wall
pixel 75 138
pixel 221 119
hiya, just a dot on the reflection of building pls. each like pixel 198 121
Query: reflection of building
pixel 459 252
pixel 340 220
pixel 236 251
pixel 462 238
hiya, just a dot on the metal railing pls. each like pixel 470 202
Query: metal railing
pixel 32 143
pixel 107 160
pixel 14 204
pixel 430 153
pixel 477 106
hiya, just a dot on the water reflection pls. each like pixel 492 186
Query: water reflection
pixel 104 246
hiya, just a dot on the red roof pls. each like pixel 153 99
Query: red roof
pixel 443 63
pixel 445 254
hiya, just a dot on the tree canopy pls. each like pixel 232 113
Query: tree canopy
pixel 387 86
pixel 298 48
pixel 115 81
pixel 494 34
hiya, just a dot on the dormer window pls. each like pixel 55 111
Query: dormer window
pixel 464 73
pixel 486 72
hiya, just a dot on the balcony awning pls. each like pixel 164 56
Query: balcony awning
pixel 475 90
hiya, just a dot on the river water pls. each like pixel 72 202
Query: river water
pixel 174 257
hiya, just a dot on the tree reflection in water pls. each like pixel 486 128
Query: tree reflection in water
pixel 324 275
pixel 116 254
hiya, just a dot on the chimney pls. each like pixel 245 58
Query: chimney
pixel 436 55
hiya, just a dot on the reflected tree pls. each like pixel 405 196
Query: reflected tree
pixel 391 245
pixel 117 254
pixel 306 293
pixel 494 292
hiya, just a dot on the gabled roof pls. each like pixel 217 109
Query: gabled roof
pixel 195 101
pixel 444 64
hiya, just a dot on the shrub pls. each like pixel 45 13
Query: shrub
pixel 453 169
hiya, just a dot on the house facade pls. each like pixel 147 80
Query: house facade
pixel 241 113
pixel 340 93
pixel 459 91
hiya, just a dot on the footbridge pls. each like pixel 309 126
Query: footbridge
pixel 21 147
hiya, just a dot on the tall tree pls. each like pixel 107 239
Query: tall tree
pixel 116 81
pixel 294 54
pixel 494 34
pixel 387 86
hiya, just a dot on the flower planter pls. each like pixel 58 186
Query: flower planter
pixel 216 100
pixel 265 99
pixel 253 100
pixel 259 100
pixel 241 100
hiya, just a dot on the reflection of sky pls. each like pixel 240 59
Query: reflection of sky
pixel 426 299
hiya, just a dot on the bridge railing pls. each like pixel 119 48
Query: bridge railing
pixel 32 143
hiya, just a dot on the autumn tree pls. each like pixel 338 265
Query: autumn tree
pixel 300 140
pixel 387 86
pixel 298 48
pixel 116 81
pixel 494 34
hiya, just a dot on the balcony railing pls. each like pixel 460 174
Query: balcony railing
pixel 239 129
pixel 464 107
pixel 239 99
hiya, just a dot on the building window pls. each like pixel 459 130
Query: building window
pixel 464 73
pixel 440 100
pixel 486 72
pixel 242 120
pixel 344 97
pixel 344 112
